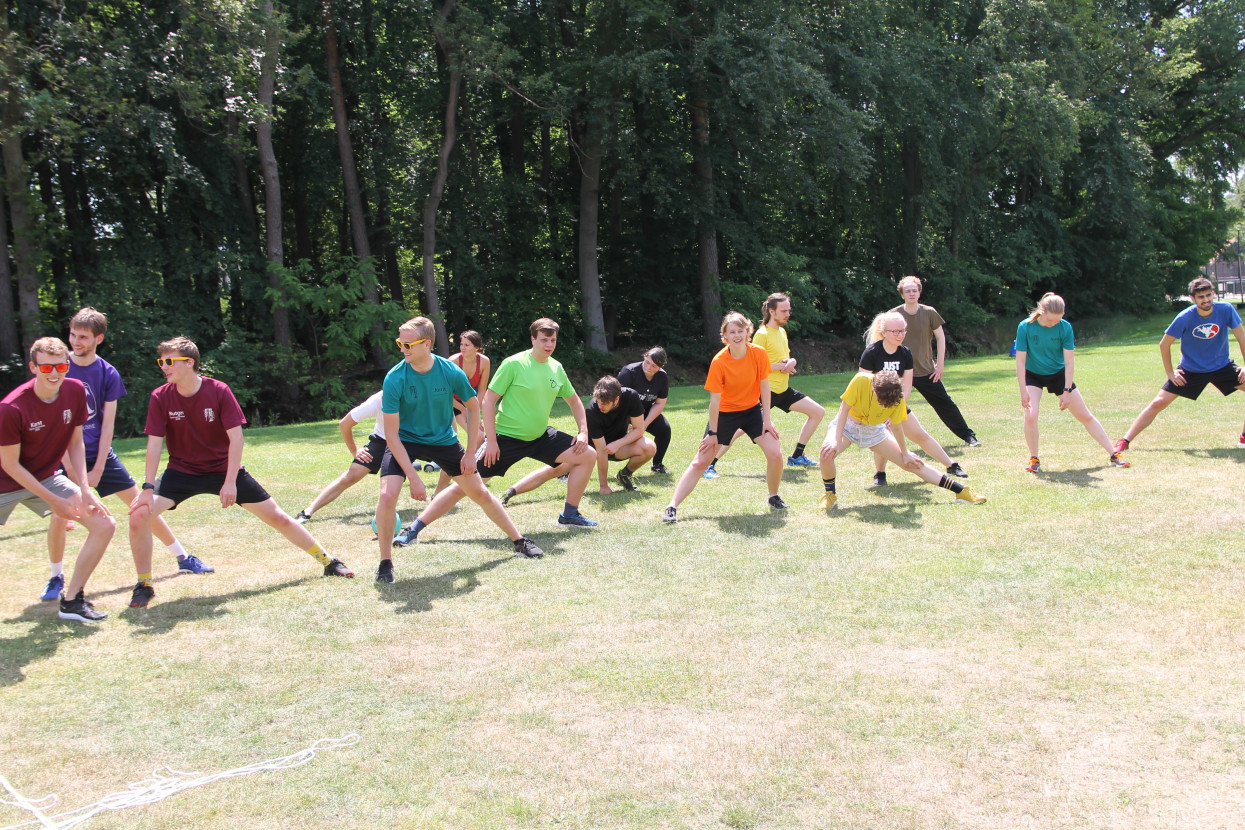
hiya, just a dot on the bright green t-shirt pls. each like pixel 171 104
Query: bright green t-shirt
pixel 528 389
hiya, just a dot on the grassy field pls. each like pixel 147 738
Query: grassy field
pixel 1067 655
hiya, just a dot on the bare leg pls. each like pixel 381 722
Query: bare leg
pixel 1076 405
pixel 353 475
pixel 441 504
pixel 1146 416
pixel 912 429
pixel 773 461
pixel 1031 419
pixel 889 449
pixel 637 454
pixel 538 477
pixel 814 411
pixel 474 487
pixel 723 449
pixel 100 528
pixel 687 481
pixel 581 466
pixel 386 508
pixel 276 518
pixel 141 527
pixel 56 539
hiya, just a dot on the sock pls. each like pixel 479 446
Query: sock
pixel 176 549
pixel 317 553
pixel 510 493
pixel 799 450
pixel 569 510
pixel 828 483
pixel 58 568
pixel 948 483
pixel 145 579
pixel 417 527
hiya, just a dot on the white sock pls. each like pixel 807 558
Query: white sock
pixel 176 549
pixel 58 568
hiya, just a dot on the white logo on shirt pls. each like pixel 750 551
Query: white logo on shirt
pixel 208 414
pixel 35 426
pixel 177 416
pixel 67 415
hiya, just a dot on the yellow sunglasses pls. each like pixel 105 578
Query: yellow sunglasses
pixel 406 347
pixel 169 361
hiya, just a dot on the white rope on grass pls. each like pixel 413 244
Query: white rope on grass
pixel 164 782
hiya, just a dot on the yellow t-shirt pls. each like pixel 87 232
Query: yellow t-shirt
pixel 863 405
pixel 775 345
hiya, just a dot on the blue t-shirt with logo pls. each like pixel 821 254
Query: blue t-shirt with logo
pixel 1204 340
pixel 424 401
pixel 103 384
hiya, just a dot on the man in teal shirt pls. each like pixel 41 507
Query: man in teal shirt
pixel 417 404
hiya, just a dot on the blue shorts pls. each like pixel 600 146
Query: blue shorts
pixel 115 479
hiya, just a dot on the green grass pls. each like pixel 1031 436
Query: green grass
pixel 1066 655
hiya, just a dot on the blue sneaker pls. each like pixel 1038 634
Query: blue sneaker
pixel 191 564
pixel 710 473
pixel 576 521
pixel 55 585
pixel 800 461
pixel 406 537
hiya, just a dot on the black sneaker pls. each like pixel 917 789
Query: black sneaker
pixel 142 595
pixel 972 441
pixel 79 609
pixel 956 470
pixel 507 496
pixel 527 548
pixel 626 479
pixel 385 572
pixel 336 567
pixel 669 515
pixel 776 503
pixel 660 470
pixel 302 518
pixel 879 479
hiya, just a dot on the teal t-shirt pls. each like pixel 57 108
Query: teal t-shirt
pixel 425 401
pixel 1044 345
pixel 528 389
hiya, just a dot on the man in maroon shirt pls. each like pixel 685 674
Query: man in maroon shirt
pixel 201 421
pixel 41 423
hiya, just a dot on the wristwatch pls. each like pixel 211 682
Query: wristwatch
pixel 147 485
pixel 711 432
pixel 1067 389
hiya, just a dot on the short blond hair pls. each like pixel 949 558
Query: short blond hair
pixel 422 326
pixel 184 346
pixel 50 346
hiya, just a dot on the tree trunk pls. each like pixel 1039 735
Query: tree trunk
pixel 589 155
pixel 10 344
pixel 81 235
pixel 25 251
pixel 274 246
pixel 350 181
pixel 913 184
pixel 706 222
pixel 431 296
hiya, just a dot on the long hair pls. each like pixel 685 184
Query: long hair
pixel 874 333
pixel 1051 303
pixel 771 303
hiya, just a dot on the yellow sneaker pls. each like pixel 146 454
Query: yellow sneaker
pixel 827 500
pixel 967 496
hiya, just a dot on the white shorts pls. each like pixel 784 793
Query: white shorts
pixel 58 483
pixel 866 436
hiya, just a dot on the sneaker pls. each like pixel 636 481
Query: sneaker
pixel 564 478
pixel 142 595
pixel 660 469
pixel 828 500
pixel 627 479
pixel 972 441
pixel 507 496
pixel 669 515
pixel 336 567
pixel 407 536
pixel 69 525
pixel 527 548
pixel 1035 466
pixel 879 479
pixel 303 517
pixel 956 470
pixel 967 496
pixel 191 564
pixel 800 461
pixel 432 467
pixel 576 521
pixel 710 473
pixel 1122 445
pixel 55 585
pixel 1117 461
pixel 776 502
pixel 1240 442
pixel 79 609
pixel 385 572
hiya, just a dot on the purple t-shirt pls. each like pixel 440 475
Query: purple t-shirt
pixel 1204 340
pixel 103 385
pixel 43 429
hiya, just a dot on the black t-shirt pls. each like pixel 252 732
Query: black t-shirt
pixel 612 425
pixel 875 359
pixel 650 391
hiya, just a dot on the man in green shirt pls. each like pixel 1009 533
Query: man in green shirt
pixel 525 386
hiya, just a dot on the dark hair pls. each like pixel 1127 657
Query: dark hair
pixel 607 389
pixel 1199 285
pixel 658 355
pixel 473 337
pixel 888 388
pixel 771 303
pixel 544 326
pixel 89 318
pixel 184 346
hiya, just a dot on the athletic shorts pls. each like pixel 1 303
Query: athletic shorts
pixel 544 449
pixel 448 457
pixel 177 487
pixel 1055 384
pixel 115 479
pixel 377 447
pixel 786 399
pixel 58 483
pixel 749 420
pixel 865 436
pixel 1225 380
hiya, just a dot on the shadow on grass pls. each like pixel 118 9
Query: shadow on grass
pixel 40 642
pixel 620 499
pixel 37 530
pixel 896 515
pixel 1084 477
pixel 414 596
pixel 163 617
pixel 755 525
pixel 1218 454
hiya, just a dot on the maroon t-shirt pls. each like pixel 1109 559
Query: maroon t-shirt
pixel 194 428
pixel 43 429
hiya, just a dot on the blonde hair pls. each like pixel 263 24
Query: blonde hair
pixel 739 320
pixel 909 280
pixel 874 333
pixel 50 346
pixel 1051 303
pixel 184 346
pixel 422 327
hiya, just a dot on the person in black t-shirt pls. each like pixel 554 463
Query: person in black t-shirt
pixel 649 380
pixel 616 429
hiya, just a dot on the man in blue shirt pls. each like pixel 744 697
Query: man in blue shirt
pixel 1202 330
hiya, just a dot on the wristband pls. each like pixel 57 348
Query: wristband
pixel 713 432
pixel 1067 389
pixel 147 485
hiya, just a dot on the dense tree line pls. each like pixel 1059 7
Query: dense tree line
pixel 283 179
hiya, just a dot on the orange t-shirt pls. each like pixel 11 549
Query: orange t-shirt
pixel 739 381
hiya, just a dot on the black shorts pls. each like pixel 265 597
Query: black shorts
pixel 1225 380
pixel 115 478
pixel 786 399
pixel 377 447
pixel 1054 384
pixel 749 420
pixel 544 449
pixel 177 487
pixel 448 457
